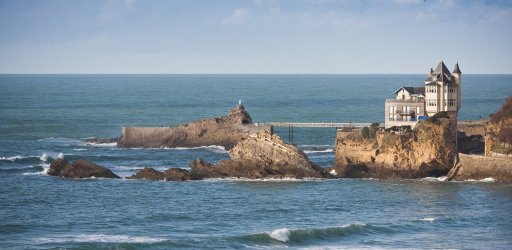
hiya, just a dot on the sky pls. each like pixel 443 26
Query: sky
pixel 254 36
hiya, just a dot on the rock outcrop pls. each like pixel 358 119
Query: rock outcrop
pixel 260 155
pixel 79 169
pixel 171 174
pixel 225 131
pixel 498 131
pixel 428 150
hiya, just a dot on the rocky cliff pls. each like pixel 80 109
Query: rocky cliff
pixel 428 150
pixel 498 131
pixel 260 155
pixel 225 131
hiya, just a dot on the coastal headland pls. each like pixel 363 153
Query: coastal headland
pixel 428 150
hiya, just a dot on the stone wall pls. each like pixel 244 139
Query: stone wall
pixel 474 167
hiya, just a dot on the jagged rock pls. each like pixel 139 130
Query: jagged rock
pixel 171 174
pixel 148 174
pixel 177 174
pixel 428 150
pixel 79 169
pixel 225 131
pixel 260 155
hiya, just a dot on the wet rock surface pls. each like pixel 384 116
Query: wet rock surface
pixel 79 169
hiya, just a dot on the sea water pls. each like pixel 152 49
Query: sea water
pixel 45 117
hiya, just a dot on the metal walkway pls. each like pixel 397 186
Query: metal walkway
pixel 337 125
pixel 318 124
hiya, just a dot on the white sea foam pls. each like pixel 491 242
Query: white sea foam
pixel 46 167
pixel 286 179
pixel 103 238
pixel 44 157
pixel 333 172
pixel 427 219
pixel 102 145
pixel 488 179
pixel 79 149
pixel 211 148
pixel 282 234
pixel 60 156
pixel 329 150
pixel 435 179
pixel 12 158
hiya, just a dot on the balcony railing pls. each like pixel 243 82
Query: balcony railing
pixel 405 101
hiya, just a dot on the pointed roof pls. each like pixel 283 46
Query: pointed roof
pixel 456 69
pixel 413 90
pixel 440 74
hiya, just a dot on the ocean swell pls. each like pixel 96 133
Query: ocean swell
pixel 309 235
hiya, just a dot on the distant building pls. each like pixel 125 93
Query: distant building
pixel 441 93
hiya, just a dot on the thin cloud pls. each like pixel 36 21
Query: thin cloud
pixel 237 17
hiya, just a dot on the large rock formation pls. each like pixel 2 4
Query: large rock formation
pixel 171 174
pixel 79 169
pixel 428 150
pixel 225 131
pixel 498 131
pixel 260 155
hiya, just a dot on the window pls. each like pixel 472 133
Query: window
pixel 451 102
pixel 451 89
pixel 431 89
pixel 431 102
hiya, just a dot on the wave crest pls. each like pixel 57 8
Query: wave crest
pixel 299 236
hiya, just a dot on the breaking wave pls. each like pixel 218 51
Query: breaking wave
pixel 211 148
pixel 32 158
pixel 329 150
pixel 101 145
pixel 300 236
pixel 101 238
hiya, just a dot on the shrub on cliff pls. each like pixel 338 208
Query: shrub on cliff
pixel 439 115
pixel 505 111
pixel 371 132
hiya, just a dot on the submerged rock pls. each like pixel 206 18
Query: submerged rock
pixel 260 155
pixel 225 131
pixel 428 150
pixel 79 169
pixel 171 174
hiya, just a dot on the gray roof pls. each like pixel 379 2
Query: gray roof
pixel 441 74
pixel 456 69
pixel 413 90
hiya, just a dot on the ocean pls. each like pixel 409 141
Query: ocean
pixel 43 117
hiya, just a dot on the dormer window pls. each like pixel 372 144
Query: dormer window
pixel 434 78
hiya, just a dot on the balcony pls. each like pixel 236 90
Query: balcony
pixel 405 101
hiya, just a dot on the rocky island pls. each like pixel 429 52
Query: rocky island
pixel 225 131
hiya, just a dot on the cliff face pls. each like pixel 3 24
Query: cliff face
pixel 428 150
pixel 260 155
pixel 498 131
pixel 225 131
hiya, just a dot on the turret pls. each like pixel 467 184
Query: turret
pixel 457 75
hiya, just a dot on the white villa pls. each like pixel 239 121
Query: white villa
pixel 440 93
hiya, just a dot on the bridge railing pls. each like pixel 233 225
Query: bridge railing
pixel 319 124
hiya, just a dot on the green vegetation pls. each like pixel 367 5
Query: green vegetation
pixel 371 132
pixel 439 115
pixel 501 149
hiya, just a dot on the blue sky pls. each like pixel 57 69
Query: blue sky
pixel 254 36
